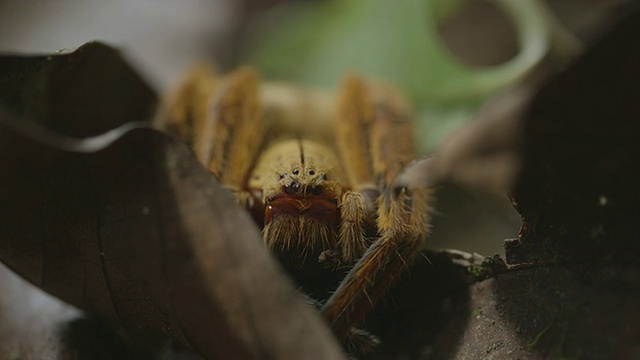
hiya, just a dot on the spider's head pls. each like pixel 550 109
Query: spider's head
pixel 303 182
pixel 302 191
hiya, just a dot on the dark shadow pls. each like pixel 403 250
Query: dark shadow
pixel 425 312
pixel 575 311
pixel 578 195
pixel 91 339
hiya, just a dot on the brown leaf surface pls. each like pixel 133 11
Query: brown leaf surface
pixel 578 193
pixel 81 93
pixel 127 225
pixel 139 233
pixel 573 290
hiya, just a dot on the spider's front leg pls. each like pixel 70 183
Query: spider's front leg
pixel 221 119
pixel 375 141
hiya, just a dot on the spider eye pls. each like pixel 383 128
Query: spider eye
pixel 323 176
pixel 316 190
pixel 292 187
pixel 296 171
pixel 311 172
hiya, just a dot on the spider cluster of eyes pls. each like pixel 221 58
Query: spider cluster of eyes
pixel 295 187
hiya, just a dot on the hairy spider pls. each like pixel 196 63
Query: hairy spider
pixel 317 173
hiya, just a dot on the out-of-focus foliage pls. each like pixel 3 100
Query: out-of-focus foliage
pixel 316 43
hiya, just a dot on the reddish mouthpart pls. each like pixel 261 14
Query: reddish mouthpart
pixel 316 207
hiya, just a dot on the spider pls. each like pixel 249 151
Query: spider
pixel 317 173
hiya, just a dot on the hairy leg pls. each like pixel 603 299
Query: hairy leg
pixel 351 239
pixel 183 113
pixel 375 140
pixel 221 119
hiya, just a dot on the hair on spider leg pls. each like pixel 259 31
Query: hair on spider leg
pixel 360 341
pixel 403 261
pixel 317 304
pixel 402 194
pixel 426 258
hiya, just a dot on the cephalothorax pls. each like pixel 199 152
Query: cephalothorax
pixel 317 172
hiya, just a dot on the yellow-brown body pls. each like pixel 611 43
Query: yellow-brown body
pixel 317 172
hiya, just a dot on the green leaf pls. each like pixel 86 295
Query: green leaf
pixel 398 42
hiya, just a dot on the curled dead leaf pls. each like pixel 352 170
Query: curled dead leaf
pixel 127 225
pixel 80 93
pixel 139 233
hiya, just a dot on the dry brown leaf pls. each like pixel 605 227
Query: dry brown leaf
pixel 127 225
pixel 574 290
pixel 578 191
pixel 81 93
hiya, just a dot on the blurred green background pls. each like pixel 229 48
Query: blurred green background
pixel 447 56
pixel 400 42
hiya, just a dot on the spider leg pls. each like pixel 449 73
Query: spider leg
pixel 375 140
pixel 351 240
pixel 221 119
pixel 183 113
pixel 232 137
